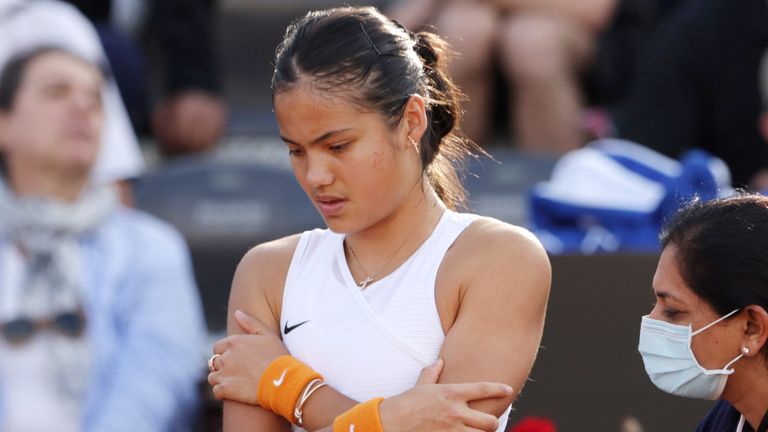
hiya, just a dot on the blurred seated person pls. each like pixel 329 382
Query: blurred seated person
pixel 189 116
pixel 100 324
pixel 760 180
pixel 542 48
pixel 25 25
pixel 697 86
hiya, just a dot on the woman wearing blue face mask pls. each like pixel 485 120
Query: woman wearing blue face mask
pixel 706 335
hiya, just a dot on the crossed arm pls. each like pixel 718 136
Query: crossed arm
pixel 497 280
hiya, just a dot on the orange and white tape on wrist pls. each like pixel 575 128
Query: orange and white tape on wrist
pixel 363 417
pixel 282 384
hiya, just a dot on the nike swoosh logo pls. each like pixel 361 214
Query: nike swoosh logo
pixel 278 382
pixel 287 329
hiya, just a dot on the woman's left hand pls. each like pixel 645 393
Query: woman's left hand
pixel 240 360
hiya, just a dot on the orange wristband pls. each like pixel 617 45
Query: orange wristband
pixel 362 417
pixel 281 385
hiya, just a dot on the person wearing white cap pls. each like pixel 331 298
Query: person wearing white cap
pixel 25 25
pixel 100 323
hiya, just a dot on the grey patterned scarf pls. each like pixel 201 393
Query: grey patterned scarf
pixel 47 232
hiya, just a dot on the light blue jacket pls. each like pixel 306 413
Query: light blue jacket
pixel 145 325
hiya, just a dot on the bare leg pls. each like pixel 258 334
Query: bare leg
pixel 542 56
pixel 414 14
pixel 471 27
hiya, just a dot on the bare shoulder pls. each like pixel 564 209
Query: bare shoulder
pixel 495 250
pixel 257 287
pixel 492 241
pixel 271 258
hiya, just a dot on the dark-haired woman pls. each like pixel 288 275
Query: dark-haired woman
pixel 400 279
pixel 706 336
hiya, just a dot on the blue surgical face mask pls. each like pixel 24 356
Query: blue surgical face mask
pixel 671 365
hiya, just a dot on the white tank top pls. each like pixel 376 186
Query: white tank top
pixel 373 342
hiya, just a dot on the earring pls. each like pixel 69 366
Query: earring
pixel 414 144
pixel 745 350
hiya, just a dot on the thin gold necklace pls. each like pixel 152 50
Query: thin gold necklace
pixel 371 277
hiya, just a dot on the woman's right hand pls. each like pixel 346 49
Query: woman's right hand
pixel 440 407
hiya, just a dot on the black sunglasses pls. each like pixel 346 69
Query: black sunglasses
pixel 20 330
